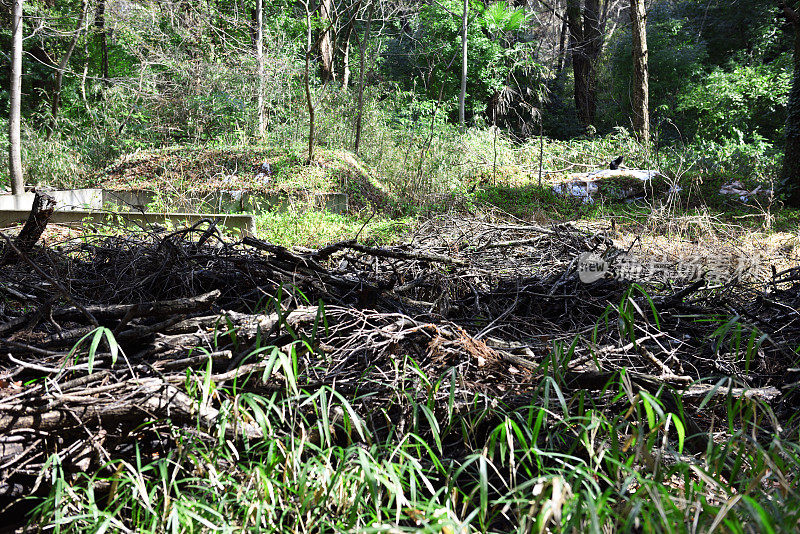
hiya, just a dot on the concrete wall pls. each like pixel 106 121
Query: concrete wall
pixel 72 199
pixel 227 201
pixel 87 205
pixel 223 201
pixel 241 224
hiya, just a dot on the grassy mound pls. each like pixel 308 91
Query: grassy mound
pixel 265 170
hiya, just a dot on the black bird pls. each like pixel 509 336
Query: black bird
pixel 614 165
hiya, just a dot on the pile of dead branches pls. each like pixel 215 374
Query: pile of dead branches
pixel 102 333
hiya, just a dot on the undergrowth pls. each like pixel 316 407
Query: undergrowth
pixel 620 458
pixel 316 228
pixel 415 157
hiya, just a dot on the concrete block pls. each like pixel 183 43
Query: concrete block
pixel 66 200
pixel 128 200
pixel 220 201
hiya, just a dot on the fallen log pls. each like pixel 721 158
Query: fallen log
pixel 139 400
pixel 150 309
pixel 682 384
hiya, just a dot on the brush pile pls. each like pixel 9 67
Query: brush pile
pixel 108 338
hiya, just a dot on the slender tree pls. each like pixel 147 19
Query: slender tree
pixel 362 49
pixel 348 32
pixel 307 83
pixel 641 93
pixel 561 44
pixel 790 172
pixel 260 61
pixel 462 95
pixel 100 25
pixel 54 105
pixel 326 41
pixel 85 73
pixel 14 143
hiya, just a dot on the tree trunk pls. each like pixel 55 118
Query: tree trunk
pixel 790 172
pixel 41 211
pixel 85 73
pixel 54 105
pixel 15 98
pixel 100 24
pixel 641 93
pixel 346 61
pixel 580 63
pixel 561 44
pixel 462 95
pixel 362 51
pixel 326 42
pixel 260 60
pixel 307 83
pixel 346 73
pixel 586 42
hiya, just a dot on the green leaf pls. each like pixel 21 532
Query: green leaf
pixel 680 429
pixel 96 339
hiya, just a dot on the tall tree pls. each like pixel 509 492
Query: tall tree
pixel 790 172
pixel 462 95
pixel 326 41
pixel 348 32
pixel 100 24
pixel 54 105
pixel 362 49
pixel 586 28
pixel 561 44
pixel 14 143
pixel 641 92
pixel 307 82
pixel 260 60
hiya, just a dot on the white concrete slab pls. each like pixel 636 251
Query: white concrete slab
pixel 66 200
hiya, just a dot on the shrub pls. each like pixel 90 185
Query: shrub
pixel 748 102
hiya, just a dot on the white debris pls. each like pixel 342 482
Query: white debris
pixel 736 188
pixel 264 174
pixel 585 185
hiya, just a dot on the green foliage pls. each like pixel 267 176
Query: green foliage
pixel 698 170
pixel 718 71
pixel 735 159
pixel 746 103
pixel 675 59
pixel 318 228
pixel 498 51
pixel 739 31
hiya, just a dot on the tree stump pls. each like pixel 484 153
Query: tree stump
pixel 41 211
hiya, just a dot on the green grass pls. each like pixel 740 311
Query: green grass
pixel 699 170
pixel 192 168
pixel 528 200
pixel 318 228
pixel 430 459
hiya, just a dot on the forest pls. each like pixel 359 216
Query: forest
pixel 400 265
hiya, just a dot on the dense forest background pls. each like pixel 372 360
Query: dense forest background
pixel 107 77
